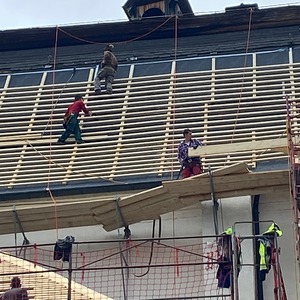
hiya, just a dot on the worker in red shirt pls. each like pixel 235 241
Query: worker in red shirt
pixel 71 123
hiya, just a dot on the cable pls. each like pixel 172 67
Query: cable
pixel 116 43
pixel 174 97
pixel 243 78
pixel 50 145
pixel 54 104
pixel 151 248
pixel 73 172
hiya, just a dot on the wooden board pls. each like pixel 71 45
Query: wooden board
pixel 274 145
pixel 232 181
pixel 45 140
pixel 182 193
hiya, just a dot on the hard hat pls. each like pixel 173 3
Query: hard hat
pixel 109 47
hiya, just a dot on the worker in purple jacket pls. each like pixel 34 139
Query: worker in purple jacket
pixel 189 165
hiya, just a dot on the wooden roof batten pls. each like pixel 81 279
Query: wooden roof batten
pixel 260 118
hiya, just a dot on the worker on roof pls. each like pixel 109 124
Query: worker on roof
pixel 71 123
pixel 109 66
pixel 189 165
pixel 16 292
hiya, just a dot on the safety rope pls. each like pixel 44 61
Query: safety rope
pixel 244 71
pixel 174 88
pixel 51 126
pixel 117 43
pixel 242 87
pixel 219 201
pixel 54 104
pixel 53 162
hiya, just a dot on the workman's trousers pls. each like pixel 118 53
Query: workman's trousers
pixel 71 127
pixel 108 73
pixel 189 169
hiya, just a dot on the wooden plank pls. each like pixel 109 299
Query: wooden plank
pixel 137 207
pixel 172 195
pixel 192 199
pixel 231 185
pixel 238 168
pixel 43 217
pixel 274 145
pixel 223 182
pixel 203 193
pixel 40 140
pixel 185 201
pixel 145 213
pixel 133 199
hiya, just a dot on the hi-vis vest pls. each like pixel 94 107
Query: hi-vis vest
pixel 265 245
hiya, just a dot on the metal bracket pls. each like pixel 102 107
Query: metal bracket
pixel 127 232
pixel 214 202
pixel 18 221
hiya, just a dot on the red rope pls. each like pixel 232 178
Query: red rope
pixel 174 94
pixel 123 42
pixel 243 78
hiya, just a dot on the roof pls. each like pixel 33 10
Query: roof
pixel 149 29
pixel 149 39
pixel 132 136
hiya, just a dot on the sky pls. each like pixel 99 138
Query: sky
pixel 40 13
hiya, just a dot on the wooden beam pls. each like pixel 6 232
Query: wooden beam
pixel 188 200
pixel 191 192
pixel 238 168
pixel 231 181
pixel 38 139
pixel 274 145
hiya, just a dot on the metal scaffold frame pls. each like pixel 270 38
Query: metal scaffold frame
pixel 293 132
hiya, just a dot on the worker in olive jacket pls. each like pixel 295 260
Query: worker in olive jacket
pixel 109 66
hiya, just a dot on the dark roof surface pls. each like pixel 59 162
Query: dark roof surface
pixel 148 29
pixel 150 39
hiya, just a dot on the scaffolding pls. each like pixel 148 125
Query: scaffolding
pixel 190 267
pixel 293 131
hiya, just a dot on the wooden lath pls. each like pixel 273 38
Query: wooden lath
pixel 132 132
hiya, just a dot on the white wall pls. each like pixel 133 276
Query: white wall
pixel 277 207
